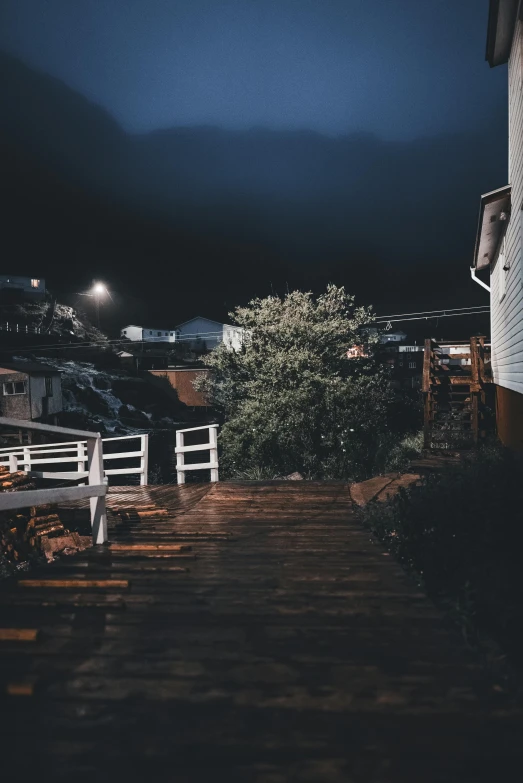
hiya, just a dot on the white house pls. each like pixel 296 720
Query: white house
pixel 198 334
pixel 30 287
pixel 148 334
pixel 499 240
pixel 202 334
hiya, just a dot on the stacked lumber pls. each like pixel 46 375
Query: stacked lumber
pixel 35 530
pixel 13 482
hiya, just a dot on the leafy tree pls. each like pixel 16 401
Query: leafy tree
pixel 290 398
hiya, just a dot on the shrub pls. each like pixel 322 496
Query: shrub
pixel 461 534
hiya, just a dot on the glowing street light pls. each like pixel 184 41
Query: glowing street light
pixel 98 291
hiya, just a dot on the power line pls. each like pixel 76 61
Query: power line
pixel 424 316
pixel 428 312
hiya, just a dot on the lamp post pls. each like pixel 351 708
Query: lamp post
pixel 98 291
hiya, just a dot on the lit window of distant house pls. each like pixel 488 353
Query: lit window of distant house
pixel 14 387
pixel 412 365
pixel 48 386
pixel 34 282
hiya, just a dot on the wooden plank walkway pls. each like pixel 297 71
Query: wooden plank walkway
pixel 285 645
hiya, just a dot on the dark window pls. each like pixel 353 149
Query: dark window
pixel 14 387
pixel 48 386
pixel 159 334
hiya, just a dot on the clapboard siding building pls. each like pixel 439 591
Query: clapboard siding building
pixel 500 231
pixel 30 390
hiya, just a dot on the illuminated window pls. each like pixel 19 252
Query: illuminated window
pixel 34 282
pixel 412 365
pixel 14 387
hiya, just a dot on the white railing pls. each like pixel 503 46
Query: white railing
pixel 95 490
pixel 182 449
pixel 27 457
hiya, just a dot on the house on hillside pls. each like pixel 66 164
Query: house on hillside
pixel 148 334
pixel 498 252
pixel 22 287
pixel 30 390
pixel 199 334
pixel 202 334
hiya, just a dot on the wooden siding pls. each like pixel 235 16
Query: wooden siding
pixel 182 381
pixel 507 314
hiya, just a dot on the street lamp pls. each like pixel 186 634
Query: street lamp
pixel 98 291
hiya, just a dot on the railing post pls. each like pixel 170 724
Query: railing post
pixel 96 476
pixel 144 462
pixel 27 459
pixel 213 457
pixel 13 463
pixel 180 459
pixel 80 449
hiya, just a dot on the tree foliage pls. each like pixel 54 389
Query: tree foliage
pixel 290 398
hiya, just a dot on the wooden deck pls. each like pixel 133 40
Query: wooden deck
pixel 285 645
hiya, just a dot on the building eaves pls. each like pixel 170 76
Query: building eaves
pixel 500 30
pixel 494 214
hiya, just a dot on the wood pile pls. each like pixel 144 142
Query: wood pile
pixel 26 532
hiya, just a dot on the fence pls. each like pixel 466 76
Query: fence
pixel 27 457
pixel 95 490
pixel 182 449
pixel 20 328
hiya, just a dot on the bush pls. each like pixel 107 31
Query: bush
pixel 461 534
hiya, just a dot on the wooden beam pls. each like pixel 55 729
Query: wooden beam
pixel 121 584
pixel 18 634
pixel 150 547
pixel 41 497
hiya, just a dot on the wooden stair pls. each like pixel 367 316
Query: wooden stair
pixel 456 386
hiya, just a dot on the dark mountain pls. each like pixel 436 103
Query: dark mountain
pixel 275 208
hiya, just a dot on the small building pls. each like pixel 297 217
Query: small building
pixel 22 287
pixel 393 337
pixel 498 254
pixel 203 334
pixel 148 334
pixel 29 391
pixel 181 379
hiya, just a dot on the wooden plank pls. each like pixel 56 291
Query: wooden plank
pixel 18 634
pixel 82 584
pixel 150 547
pixel 19 689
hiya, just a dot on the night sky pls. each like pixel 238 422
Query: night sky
pixel 282 142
